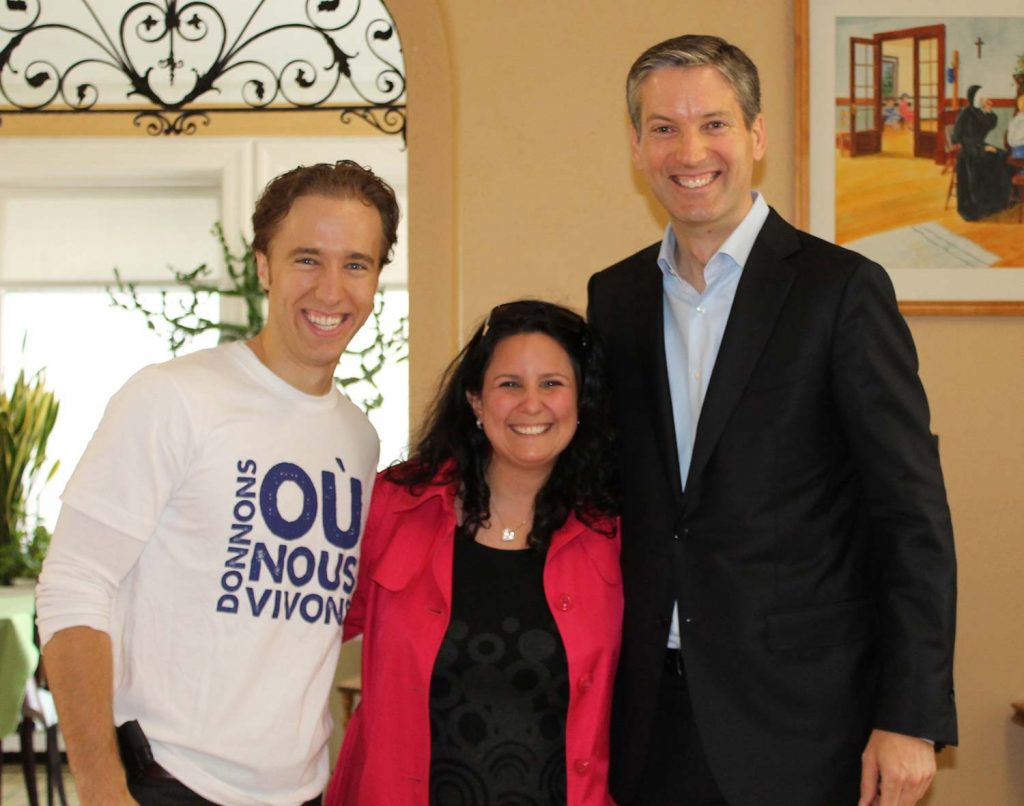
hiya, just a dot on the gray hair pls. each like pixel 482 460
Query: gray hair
pixel 695 50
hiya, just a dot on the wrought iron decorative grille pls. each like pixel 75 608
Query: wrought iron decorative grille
pixel 171 64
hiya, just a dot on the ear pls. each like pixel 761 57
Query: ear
pixel 263 270
pixel 475 404
pixel 634 147
pixel 760 137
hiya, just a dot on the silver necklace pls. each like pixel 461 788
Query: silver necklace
pixel 507 535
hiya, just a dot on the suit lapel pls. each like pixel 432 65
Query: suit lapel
pixel 649 323
pixel 762 290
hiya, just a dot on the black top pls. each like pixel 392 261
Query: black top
pixel 499 692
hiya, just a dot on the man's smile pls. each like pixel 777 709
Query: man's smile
pixel 697 181
pixel 324 321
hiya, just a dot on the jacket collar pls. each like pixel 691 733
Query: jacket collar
pixel 760 296
pixel 406 501
pixel 648 323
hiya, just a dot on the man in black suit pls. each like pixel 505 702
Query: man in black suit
pixel 787 551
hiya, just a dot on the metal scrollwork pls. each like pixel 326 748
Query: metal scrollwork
pixel 167 62
pixel 157 123
pixel 386 119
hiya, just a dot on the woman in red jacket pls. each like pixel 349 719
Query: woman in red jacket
pixel 490 595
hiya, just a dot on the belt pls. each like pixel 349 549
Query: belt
pixel 674 662
pixel 157 773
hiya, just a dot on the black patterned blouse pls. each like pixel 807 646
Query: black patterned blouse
pixel 499 692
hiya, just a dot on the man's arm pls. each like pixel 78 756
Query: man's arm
pixel 83 569
pixel 78 663
pixel 886 418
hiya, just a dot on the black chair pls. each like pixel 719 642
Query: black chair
pixel 37 710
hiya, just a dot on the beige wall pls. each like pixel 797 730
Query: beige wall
pixel 974 372
pixel 534 163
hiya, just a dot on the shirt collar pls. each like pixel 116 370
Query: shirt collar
pixel 737 246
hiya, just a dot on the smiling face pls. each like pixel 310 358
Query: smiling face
pixel 695 148
pixel 527 403
pixel 320 273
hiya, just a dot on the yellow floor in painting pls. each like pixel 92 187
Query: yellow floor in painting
pixel 893 189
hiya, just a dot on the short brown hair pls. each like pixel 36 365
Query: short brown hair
pixel 344 179
pixel 696 50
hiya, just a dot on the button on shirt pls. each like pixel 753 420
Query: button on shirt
pixel 694 324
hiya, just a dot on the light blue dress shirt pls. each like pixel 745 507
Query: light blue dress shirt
pixel 694 324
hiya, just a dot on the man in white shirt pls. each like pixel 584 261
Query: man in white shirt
pixel 208 544
pixel 787 554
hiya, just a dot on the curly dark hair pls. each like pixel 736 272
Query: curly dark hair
pixel 343 179
pixel 583 479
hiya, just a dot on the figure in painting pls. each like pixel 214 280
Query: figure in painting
pixel 906 111
pixel 982 174
pixel 891 115
pixel 1015 131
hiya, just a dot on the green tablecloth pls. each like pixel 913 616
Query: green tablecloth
pixel 18 653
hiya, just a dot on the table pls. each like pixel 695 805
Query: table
pixel 1017 180
pixel 18 653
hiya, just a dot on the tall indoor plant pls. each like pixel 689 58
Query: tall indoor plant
pixel 27 416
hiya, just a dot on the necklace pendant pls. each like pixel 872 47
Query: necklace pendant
pixel 508 535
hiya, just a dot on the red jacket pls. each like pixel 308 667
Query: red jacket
pixel 402 605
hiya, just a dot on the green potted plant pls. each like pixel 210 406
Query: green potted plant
pixel 27 416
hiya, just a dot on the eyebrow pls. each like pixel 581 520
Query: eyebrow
pixel 312 250
pixel 542 376
pixel 657 116
pixel 718 113
pixel 361 256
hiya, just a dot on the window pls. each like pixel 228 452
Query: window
pixel 88 351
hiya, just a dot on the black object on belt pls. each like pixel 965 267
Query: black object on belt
pixel 155 772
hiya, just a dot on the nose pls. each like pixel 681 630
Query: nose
pixel 532 401
pixel 690 148
pixel 331 287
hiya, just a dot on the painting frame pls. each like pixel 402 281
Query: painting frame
pixel 814 53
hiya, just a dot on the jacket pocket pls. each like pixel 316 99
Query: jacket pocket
pixel 765 379
pixel 822 625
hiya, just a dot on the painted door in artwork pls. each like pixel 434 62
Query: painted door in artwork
pixel 928 59
pixel 865 78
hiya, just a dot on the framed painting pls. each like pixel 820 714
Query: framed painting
pixel 909 114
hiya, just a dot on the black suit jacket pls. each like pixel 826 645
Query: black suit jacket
pixel 811 553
